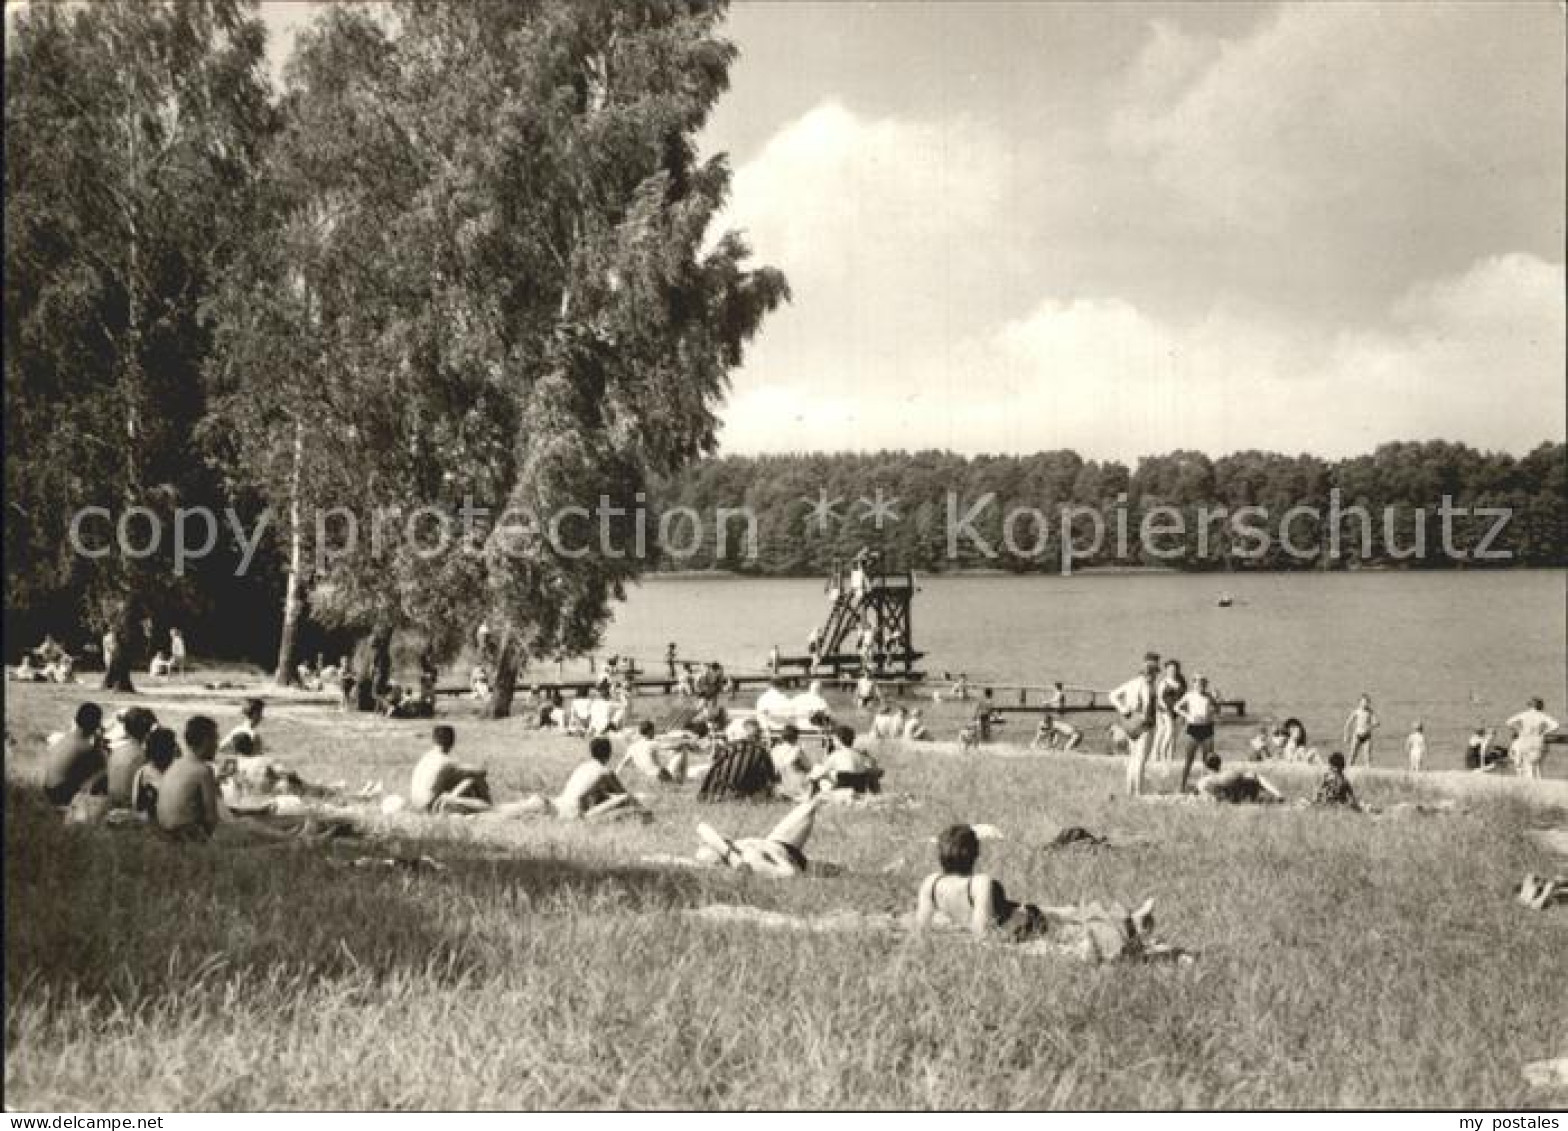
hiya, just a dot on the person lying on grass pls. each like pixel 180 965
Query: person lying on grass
pixel 441 784
pixel 971 899
pixel 75 761
pixel 247 774
pixel 1234 786
pixel 782 853
pixel 976 901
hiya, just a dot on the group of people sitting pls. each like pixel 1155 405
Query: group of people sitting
pixel 745 767
pixel 899 722
pixel 136 768
pixel 31 668
pixel 314 675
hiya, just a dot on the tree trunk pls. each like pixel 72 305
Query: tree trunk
pixel 287 674
pixel 505 682
pixel 128 638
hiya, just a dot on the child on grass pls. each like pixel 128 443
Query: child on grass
pixel 1333 787
pixel 1415 746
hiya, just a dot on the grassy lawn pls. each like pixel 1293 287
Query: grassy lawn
pixel 1343 960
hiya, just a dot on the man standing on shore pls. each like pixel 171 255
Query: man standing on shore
pixel 1531 726
pixel 1358 729
pixel 1136 702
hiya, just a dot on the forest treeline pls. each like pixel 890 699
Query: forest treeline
pixel 1400 487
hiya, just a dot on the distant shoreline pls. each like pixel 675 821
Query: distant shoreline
pixel 1090 571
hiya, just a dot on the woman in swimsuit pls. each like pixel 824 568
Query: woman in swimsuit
pixel 1169 691
pixel 963 895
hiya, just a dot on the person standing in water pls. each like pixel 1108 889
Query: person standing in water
pixel 1359 726
pixel 1415 746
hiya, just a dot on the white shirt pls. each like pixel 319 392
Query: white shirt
pixel 774 704
pixel 808 703
pixel 886 726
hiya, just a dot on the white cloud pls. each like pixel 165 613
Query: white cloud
pixel 1108 380
pixel 1356 119
pixel 1290 239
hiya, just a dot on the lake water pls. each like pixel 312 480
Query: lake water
pixel 1451 648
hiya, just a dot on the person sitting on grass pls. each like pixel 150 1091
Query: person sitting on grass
pixel 849 768
pixel 28 672
pixel 654 760
pixel 127 753
pixel 249 725
pixel 63 670
pixel 479 683
pixel 1333 787
pixel 915 729
pixel 187 805
pixel 160 666
pixel 742 770
pixel 1238 787
pixel 593 791
pixel 888 723
pixel 1056 733
pixel 75 761
pixel 162 748
pixel 440 784
pixel 978 732
pixel 792 766
pixel 782 853
pixel 1295 747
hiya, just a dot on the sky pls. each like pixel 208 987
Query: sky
pixel 1130 228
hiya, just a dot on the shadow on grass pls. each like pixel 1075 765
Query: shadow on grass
pixel 125 917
